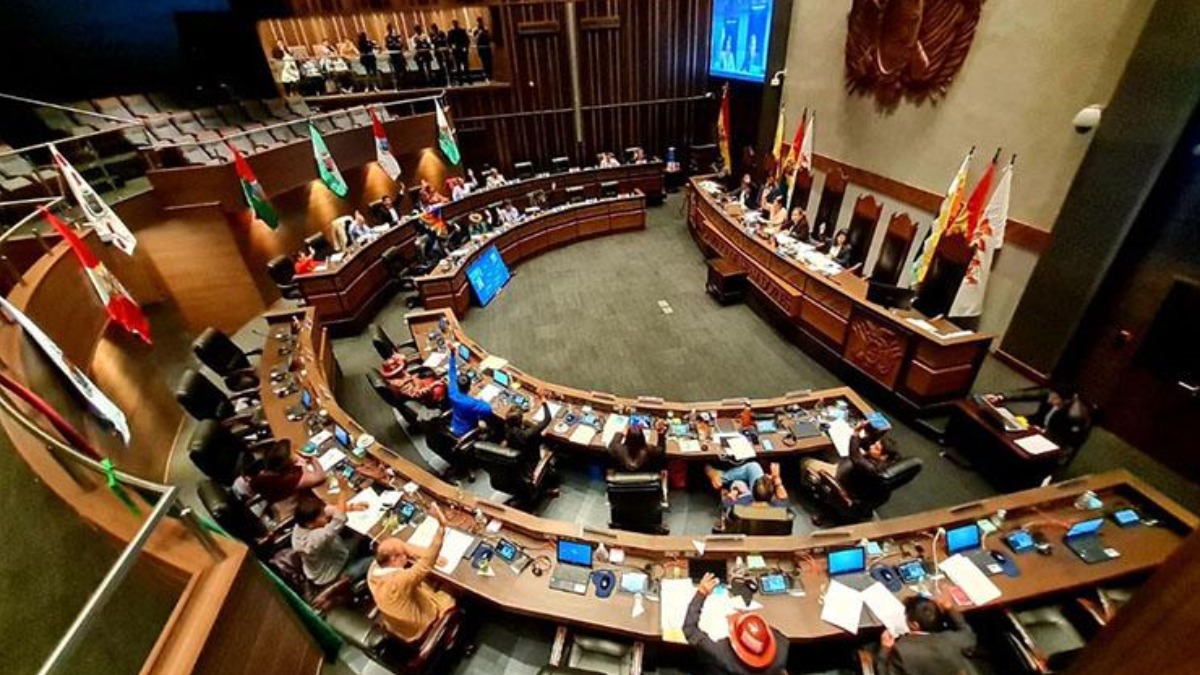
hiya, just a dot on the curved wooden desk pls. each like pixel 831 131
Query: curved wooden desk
pixel 348 292
pixel 792 407
pixel 917 366
pixel 446 286
pixel 1142 548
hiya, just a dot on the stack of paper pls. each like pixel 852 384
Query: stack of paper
pixel 1036 444
pixel 493 363
pixel 435 360
pixel 454 545
pixel 583 434
pixel 489 392
pixel 887 609
pixel 738 446
pixel 330 459
pixel 687 445
pixel 554 409
pixel 364 521
pixel 967 576
pixel 840 433
pixel 674 596
pixel 615 424
pixel 843 606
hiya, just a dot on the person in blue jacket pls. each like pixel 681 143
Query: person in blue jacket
pixel 466 410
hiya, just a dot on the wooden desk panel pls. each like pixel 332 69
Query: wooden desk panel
pixel 446 287
pixel 917 367
pixel 1142 548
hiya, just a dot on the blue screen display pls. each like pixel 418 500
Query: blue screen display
pixel 965 538
pixel 741 32
pixel 306 399
pixel 848 560
pixel 501 378
pixel 342 436
pixel 574 553
pixel 1085 527
pixel 488 274
pixel 464 353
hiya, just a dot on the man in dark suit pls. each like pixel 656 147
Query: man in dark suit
pixel 752 646
pixel 746 194
pixel 937 643
pixel 460 43
pixel 386 212
pixel 1062 416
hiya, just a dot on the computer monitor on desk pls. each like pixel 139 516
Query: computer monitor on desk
pixel 524 170
pixel 560 165
pixel 574 194
pixel 608 189
pixel 889 295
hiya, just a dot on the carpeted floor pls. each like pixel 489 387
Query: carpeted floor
pixel 589 316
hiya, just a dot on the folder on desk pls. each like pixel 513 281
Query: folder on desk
pixel 1036 444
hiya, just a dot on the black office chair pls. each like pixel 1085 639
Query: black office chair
pixel 320 246
pixel 286 564
pixel 771 521
pixel 203 400
pixel 215 350
pixel 419 417
pixel 514 475
pixel 233 515
pixel 455 451
pixel 385 346
pixel 858 499
pixel 282 270
pixel 635 501
pixel 443 639
pixel 579 654
pixel 1044 639
pixel 221 454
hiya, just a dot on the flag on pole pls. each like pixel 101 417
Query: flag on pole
pixel 446 138
pixel 801 152
pixel 723 131
pixel 986 238
pixel 777 145
pixel 326 167
pixel 98 214
pixel 256 198
pixel 116 300
pixel 383 152
pixel 968 218
pixel 434 221
pixel 793 155
pixel 946 214
pixel 101 405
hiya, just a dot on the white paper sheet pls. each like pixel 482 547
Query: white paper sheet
pixel 583 434
pixel 454 546
pixel 493 362
pixel 840 433
pixel 331 457
pixel 674 596
pixel 489 392
pixel 967 576
pixel 435 360
pixel 687 445
pixel 843 606
pixel 423 535
pixel 363 521
pixel 714 614
pixel 1036 444
pixel 738 447
pixel 554 408
pixel 887 609
pixel 614 425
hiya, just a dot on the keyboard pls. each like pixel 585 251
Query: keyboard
pixel 571 579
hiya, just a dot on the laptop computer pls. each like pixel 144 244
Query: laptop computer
pixel 574 568
pixel 968 540
pixel 849 566
pixel 299 412
pixel 1084 539
pixel 502 379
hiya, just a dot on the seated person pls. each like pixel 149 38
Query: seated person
pixel 277 476
pixel 753 646
pixel 797 225
pixel 421 386
pixel 509 214
pixel 840 250
pixel 386 212
pixel 858 473
pixel 318 539
pixel 938 642
pixel 477 225
pixel 493 179
pixel 608 160
pixel 359 231
pixel 429 196
pixel 400 584
pixel 305 261
pixel 770 191
pixel 639 156
pixel 460 188
pixel 746 194
pixel 776 215
pixel 747 485
pixel 1061 415
pixel 467 411
pixel 526 436
pixel 819 235
pixel 632 454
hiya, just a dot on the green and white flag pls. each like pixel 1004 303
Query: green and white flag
pixel 446 136
pixel 325 164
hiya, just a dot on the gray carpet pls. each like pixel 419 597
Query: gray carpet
pixel 588 316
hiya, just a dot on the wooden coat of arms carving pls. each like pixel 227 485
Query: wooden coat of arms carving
pixel 908 48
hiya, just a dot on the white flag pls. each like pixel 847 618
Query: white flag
pixel 101 404
pixel 987 238
pixel 383 152
pixel 107 224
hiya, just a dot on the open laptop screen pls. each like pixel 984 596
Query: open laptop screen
pixel 964 538
pixel 1085 527
pixel 574 553
pixel 848 560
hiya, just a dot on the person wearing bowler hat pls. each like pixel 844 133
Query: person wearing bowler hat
pixel 752 648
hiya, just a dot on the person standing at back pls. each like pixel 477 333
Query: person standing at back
pixel 460 44
pixel 937 643
pixel 394 43
pixel 752 648
pixel 483 45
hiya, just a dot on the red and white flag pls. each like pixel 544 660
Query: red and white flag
pixel 985 239
pixel 801 154
pixel 383 152
pixel 117 301
pixel 98 214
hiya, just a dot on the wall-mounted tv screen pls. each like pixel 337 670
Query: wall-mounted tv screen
pixel 741 31
pixel 488 274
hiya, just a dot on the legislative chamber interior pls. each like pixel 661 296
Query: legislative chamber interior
pixel 818 337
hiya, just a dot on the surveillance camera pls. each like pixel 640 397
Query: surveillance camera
pixel 1087 118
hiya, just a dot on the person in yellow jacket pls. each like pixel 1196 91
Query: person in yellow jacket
pixel 399 583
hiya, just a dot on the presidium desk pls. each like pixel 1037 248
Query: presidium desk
pixel 347 293
pixel 918 367
pixel 307 351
